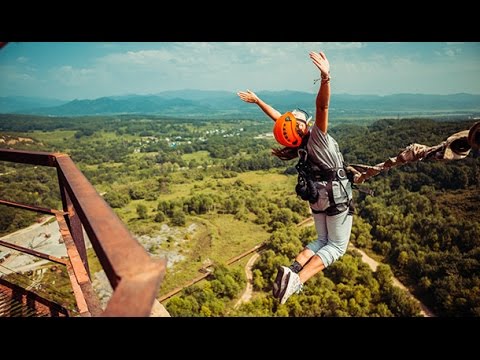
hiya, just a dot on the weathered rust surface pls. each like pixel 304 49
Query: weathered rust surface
pixel 87 301
pixel 135 293
pixel 34 253
pixel 133 275
pixel 30 207
pixel 29 157
pixel 74 223
pixel 16 301
pixel 77 292
pixel 119 253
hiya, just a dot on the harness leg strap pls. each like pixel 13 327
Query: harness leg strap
pixel 330 193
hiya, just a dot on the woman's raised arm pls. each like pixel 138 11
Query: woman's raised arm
pixel 250 97
pixel 323 96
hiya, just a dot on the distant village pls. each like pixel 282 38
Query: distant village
pixel 178 140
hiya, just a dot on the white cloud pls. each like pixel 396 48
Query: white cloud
pixel 143 57
pixel 9 73
pixel 449 51
pixel 13 79
pixel 202 57
pixel 373 64
pixel 402 62
pixel 68 75
pixel 344 45
pixel 22 59
pixel 235 65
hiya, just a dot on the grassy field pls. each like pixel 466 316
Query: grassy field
pixel 219 236
pixel 56 137
pixel 231 237
pixel 198 156
pixel 218 239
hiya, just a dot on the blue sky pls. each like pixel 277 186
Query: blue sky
pixel 66 70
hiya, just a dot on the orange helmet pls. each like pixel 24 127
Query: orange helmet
pixel 285 130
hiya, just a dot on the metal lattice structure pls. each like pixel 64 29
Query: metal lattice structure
pixel 134 276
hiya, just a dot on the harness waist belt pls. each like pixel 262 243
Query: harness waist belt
pixel 329 174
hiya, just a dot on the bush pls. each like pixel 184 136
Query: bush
pixel 116 200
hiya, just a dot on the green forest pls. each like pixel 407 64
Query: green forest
pixel 208 190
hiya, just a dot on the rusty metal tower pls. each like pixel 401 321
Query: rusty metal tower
pixel 134 276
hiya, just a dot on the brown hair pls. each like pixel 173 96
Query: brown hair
pixel 289 153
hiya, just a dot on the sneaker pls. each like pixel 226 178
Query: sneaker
pixel 294 285
pixel 280 281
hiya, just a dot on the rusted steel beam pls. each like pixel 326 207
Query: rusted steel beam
pixel 124 260
pixel 135 293
pixel 32 300
pixel 31 207
pixel 12 308
pixel 77 292
pixel 121 255
pixel 34 253
pixel 87 300
pixel 73 222
pixel 29 157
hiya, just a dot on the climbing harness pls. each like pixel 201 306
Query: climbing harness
pixel 311 176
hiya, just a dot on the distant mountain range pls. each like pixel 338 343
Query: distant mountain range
pixel 199 103
pixel 11 104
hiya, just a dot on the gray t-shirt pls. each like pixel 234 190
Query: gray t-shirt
pixel 323 150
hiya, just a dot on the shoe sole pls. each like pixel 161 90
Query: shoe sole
pixel 278 283
pixel 282 293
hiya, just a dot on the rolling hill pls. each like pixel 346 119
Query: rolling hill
pixel 199 103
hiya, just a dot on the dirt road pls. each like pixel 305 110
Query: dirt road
pixel 247 294
pixel 425 311
pixel 373 264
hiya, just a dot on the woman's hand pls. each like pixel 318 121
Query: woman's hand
pixel 248 96
pixel 321 62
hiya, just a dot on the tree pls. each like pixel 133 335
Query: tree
pixel 262 217
pixel 258 280
pixel 178 217
pixel 284 216
pixel 384 276
pixel 160 216
pixel 142 211
pixel 137 192
pixel 116 200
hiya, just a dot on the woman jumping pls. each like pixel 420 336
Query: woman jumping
pixel 331 195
